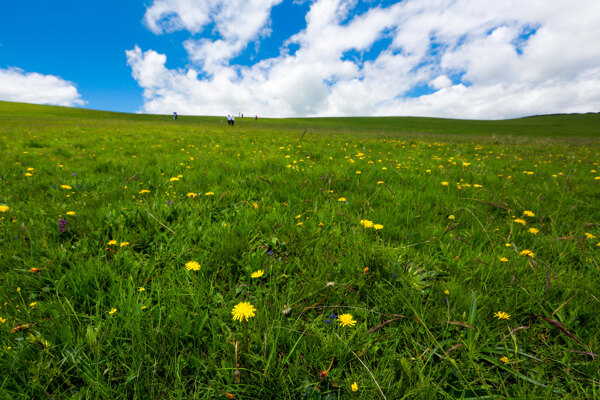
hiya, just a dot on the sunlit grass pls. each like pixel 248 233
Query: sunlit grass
pixel 374 258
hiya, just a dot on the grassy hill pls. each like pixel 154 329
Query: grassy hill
pixel 562 125
pixel 372 258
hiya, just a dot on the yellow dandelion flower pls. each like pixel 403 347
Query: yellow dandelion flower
pixel 379 182
pixel 66 187
pixel 444 183
pixel 446 292
pixel 174 179
pixel 33 304
pixel 111 242
pixel 520 221
pixel 358 172
pixel 505 360
pixel 2 320
pixel 123 244
pixel 346 320
pixel 342 199
pixel 28 174
pixel 70 212
pixel 144 191
pixel 299 224
pixel 191 194
pixel 451 217
pixel 192 266
pixel 503 259
pixel 477 186
pixel 354 387
pixel 377 227
pixel 366 223
pixel 4 208
pixel 502 315
pixel 34 270
pixel 257 274
pixel 528 213
pixel 534 231
pixel 112 311
pixel 507 244
pixel 528 253
pixel 243 311
pixel 141 289
pixel 209 193
pixel 589 236
pixel 30 169
pixel 255 205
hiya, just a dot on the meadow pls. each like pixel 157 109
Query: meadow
pixel 349 258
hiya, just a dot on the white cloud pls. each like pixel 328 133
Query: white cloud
pixel 236 22
pixel 31 87
pixel 473 56
pixel 174 15
pixel 441 82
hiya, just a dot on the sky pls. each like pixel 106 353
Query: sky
pixel 476 59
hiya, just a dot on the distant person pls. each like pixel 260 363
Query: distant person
pixel 174 116
pixel 255 117
pixel 233 120
pixel 228 119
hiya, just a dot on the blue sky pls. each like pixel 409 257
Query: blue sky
pixel 444 58
pixel 83 42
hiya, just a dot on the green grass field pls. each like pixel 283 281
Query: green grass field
pixel 401 258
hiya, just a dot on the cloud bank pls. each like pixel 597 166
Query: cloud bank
pixel 442 58
pixel 31 87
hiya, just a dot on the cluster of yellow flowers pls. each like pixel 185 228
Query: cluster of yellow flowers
pixel 114 243
pixel 369 224
pixel 528 253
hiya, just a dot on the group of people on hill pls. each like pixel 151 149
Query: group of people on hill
pixel 230 118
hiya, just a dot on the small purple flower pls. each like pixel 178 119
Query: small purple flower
pixel 169 203
pixel 74 173
pixel 62 225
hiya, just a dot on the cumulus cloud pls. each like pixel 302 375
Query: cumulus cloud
pixel 31 87
pixel 235 22
pixel 484 59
